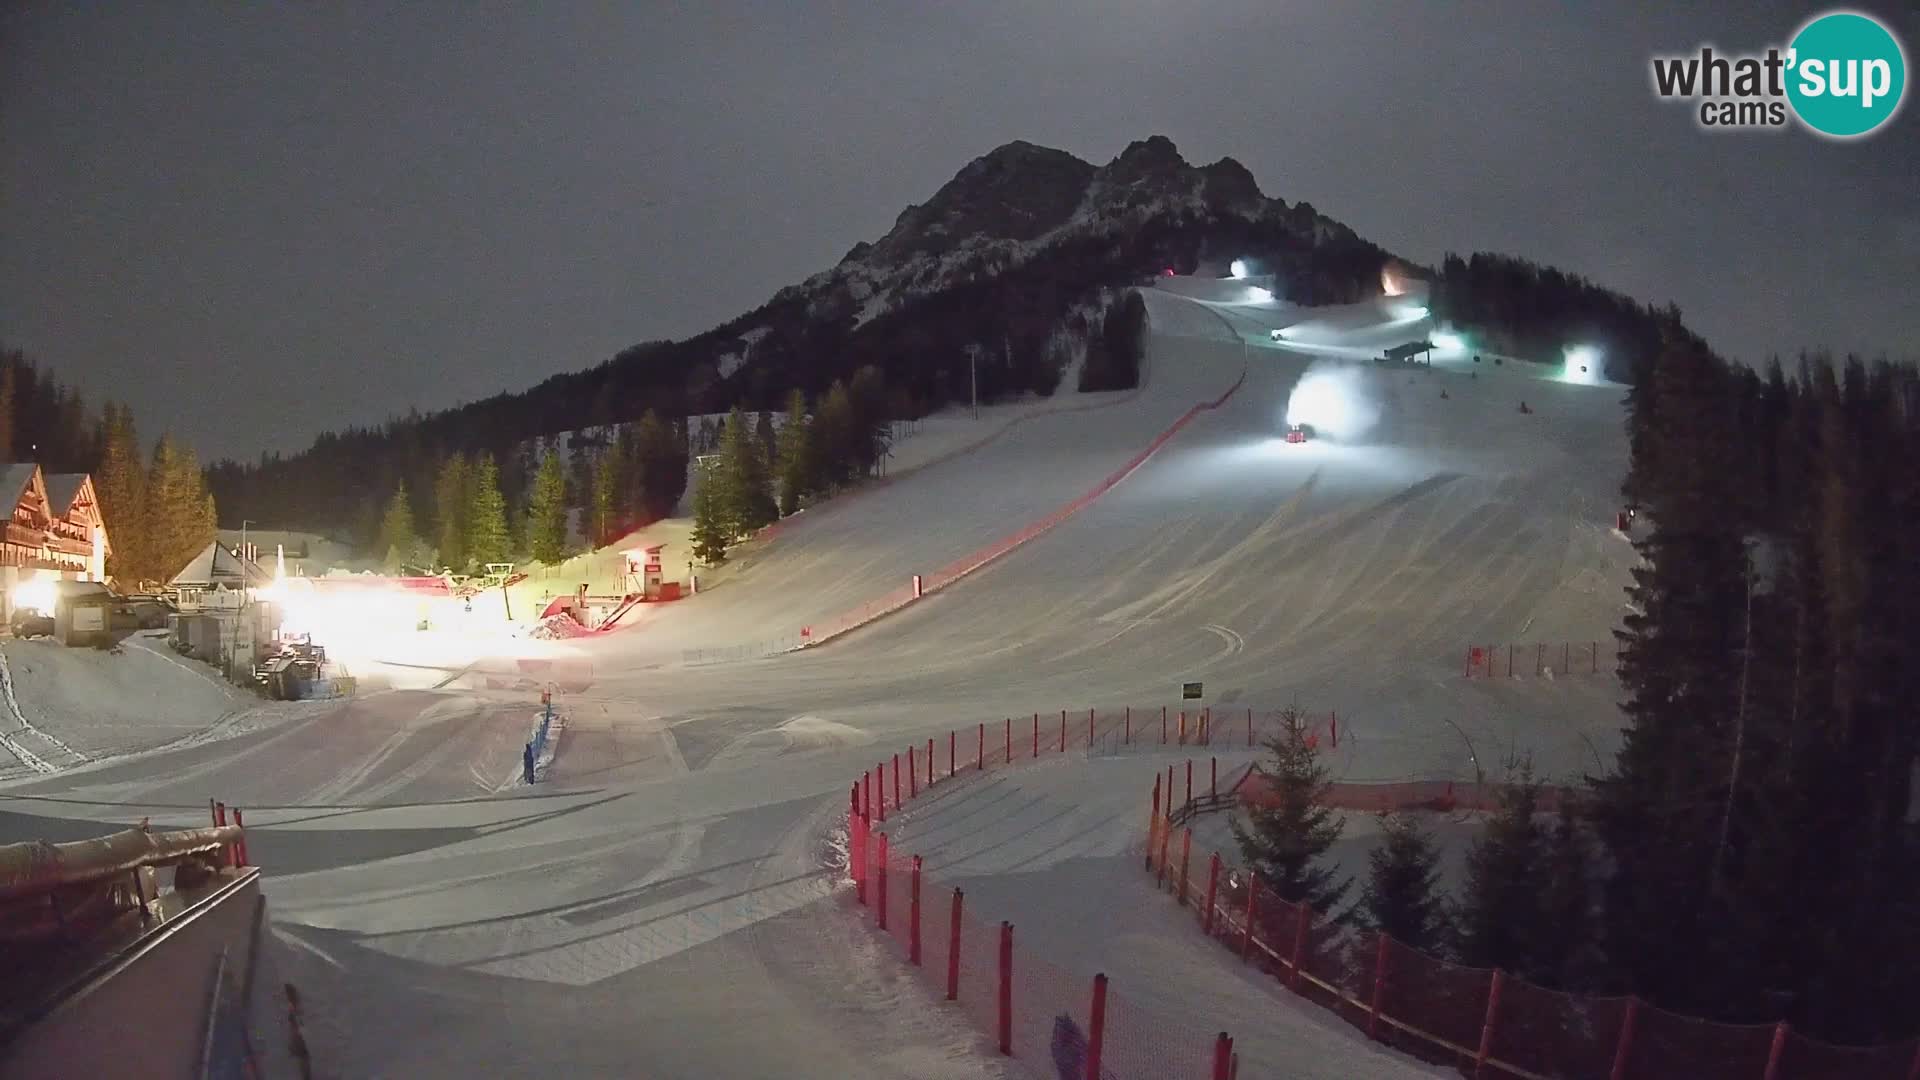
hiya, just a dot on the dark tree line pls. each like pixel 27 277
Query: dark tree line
pixel 1761 815
pixel 45 421
pixel 1524 309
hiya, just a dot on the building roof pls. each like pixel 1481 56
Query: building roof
pixel 215 565
pixel 62 489
pixel 14 480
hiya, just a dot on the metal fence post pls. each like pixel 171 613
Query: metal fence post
pixel 1213 776
pixel 1096 1026
pixel 1063 731
pixel 1006 989
pixel 913 916
pixel 953 949
pixel 1300 945
pixel 1486 1029
pixel 953 743
pixel 880 891
pixel 1379 986
pixel 1036 734
pixel 930 761
pixel 1127 732
pixel 1776 1051
pixel 1213 886
pixel 913 775
pixel 897 804
pixel 1222 1057
pixel 1623 1049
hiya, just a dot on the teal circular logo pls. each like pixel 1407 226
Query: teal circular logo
pixel 1846 74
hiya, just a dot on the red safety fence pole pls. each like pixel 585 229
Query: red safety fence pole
pixel 1623 1049
pixel 1775 1051
pixel 219 813
pixel 1379 987
pixel 1063 731
pixel 980 758
pixel 1189 780
pixel 913 916
pixel 930 761
pixel 1213 886
pixel 1163 725
pixel 1089 731
pixel 866 797
pixel 1222 1057
pixel 1127 737
pixel 1036 734
pixel 1166 837
pixel 1253 912
pixel 853 803
pixel 1334 723
pixel 240 845
pixel 1486 1029
pixel 1249 727
pixel 1006 989
pixel 1301 926
pixel 1183 727
pixel 1213 776
pixel 1096 1026
pixel 1186 856
pixel 897 804
pixel 880 782
pixel 913 775
pixel 857 857
pixel 880 893
pixel 1153 818
pixel 1009 740
pixel 213 813
pixel 953 743
pixel 953 949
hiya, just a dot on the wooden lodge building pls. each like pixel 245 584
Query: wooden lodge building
pixel 55 529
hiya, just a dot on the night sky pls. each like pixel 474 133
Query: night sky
pixel 256 222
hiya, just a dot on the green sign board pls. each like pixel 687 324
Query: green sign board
pixel 1190 691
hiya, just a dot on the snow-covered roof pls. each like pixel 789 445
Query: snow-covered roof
pixel 14 480
pixel 62 489
pixel 215 565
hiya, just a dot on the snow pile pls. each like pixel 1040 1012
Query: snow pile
pixel 558 626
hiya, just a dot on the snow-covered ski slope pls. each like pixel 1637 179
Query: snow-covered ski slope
pixel 662 904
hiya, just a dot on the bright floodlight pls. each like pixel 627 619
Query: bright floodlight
pixel 1258 295
pixel 35 594
pixel 1447 341
pixel 1238 269
pixel 1390 285
pixel 1583 364
pixel 1333 401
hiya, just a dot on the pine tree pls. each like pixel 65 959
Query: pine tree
pixel 452 498
pixel 833 440
pixel 662 465
pixel 746 502
pixel 547 511
pixel 764 434
pixel 488 540
pixel 121 486
pixel 398 541
pixel 1500 908
pixel 794 467
pixel 179 514
pixel 710 532
pixel 604 507
pixel 1566 956
pixel 1284 841
pixel 1401 897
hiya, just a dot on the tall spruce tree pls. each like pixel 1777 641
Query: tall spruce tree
pixel 547 511
pixel 1659 812
pixel 747 503
pixel 121 486
pixel 6 411
pixel 398 541
pixel 794 450
pixel 1402 897
pixel 1499 913
pixel 452 498
pixel 604 510
pixel 488 540
pixel 710 529
pixel 1286 840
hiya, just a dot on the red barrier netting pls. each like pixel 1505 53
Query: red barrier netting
pixel 1141 1044
pixel 1550 1033
pixel 1340 964
pixel 1810 1059
pixel 1668 1046
pixel 1443 1000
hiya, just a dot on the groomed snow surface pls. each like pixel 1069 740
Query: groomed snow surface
pixel 666 902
